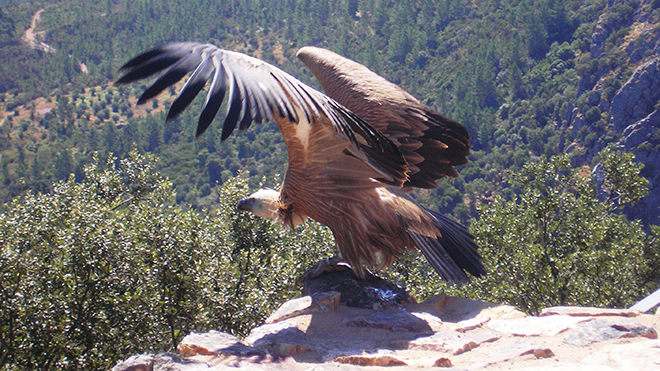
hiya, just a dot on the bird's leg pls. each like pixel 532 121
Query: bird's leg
pixel 326 265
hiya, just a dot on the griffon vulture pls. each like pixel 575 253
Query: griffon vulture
pixel 353 153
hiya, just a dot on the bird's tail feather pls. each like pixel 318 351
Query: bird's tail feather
pixel 452 254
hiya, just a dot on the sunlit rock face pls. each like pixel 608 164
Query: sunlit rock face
pixel 629 108
pixel 635 115
pixel 321 332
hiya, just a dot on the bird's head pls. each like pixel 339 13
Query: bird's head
pixel 263 203
pixel 266 203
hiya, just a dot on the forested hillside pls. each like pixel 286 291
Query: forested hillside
pixel 528 78
pixel 94 246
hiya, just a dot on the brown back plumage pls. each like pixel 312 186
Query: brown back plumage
pixel 431 143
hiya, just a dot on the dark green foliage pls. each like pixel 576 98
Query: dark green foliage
pixel 90 268
pixel 621 179
pixel 507 70
pixel 560 243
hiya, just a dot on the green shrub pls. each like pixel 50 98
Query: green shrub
pixel 561 243
pixel 84 268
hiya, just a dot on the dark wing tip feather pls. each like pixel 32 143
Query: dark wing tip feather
pixel 384 155
pixel 192 88
pixel 460 244
pixel 450 132
pixel 141 58
pixel 234 112
pixel 151 62
pixel 214 99
pixel 439 258
pixel 177 71
pixel 452 254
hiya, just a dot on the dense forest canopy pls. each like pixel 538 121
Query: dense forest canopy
pixel 517 73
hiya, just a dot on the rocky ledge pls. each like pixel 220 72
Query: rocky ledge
pixel 317 332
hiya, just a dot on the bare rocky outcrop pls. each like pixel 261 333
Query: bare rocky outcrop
pixel 637 98
pixel 449 332
pixel 631 113
pixel 316 332
pixel 635 115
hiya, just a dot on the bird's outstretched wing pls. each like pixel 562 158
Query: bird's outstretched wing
pixel 256 92
pixel 431 143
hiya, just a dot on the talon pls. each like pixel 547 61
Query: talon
pixel 326 265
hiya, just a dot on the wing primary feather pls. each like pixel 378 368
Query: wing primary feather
pixel 438 258
pixel 279 93
pixel 172 50
pixel 345 122
pixel 248 103
pixel 289 112
pixel 150 67
pixel 255 102
pixel 302 100
pixel 234 111
pixel 192 87
pixel 264 108
pixel 215 96
pixel 311 104
pixel 459 244
pixel 244 116
pixel 142 58
pixel 273 104
pixel 174 74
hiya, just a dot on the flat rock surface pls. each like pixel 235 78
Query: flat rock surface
pixel 214 343
pixel 317 302
pixel 441 332
pixel 535 326
pixel 606 329
pixel 588 312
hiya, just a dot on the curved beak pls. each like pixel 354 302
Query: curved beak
pixel 245 204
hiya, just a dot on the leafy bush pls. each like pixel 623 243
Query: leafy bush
pixel 561 243
pixel 84 268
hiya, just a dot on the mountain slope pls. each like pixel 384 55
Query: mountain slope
pixel 528 78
